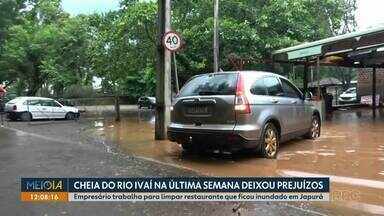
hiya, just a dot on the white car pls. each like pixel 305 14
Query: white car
pixel 29 108
pixel 349 96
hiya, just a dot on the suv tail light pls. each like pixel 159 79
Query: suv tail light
pixel 14 108
pixel 241 102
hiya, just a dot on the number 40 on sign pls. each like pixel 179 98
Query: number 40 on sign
pixel 172 41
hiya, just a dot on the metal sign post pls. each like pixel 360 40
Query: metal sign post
pixel 176 75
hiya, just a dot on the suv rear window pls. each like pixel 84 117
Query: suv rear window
pixel 211 84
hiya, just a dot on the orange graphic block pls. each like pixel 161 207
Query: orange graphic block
pixel 44 196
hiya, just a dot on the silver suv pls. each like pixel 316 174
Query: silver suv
pixel 241 110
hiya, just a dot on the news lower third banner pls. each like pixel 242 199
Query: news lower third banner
pixel 174 189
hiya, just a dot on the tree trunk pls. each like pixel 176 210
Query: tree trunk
pixel 117 108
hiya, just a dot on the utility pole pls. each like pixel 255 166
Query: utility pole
pixel 216 36
pixel 163 72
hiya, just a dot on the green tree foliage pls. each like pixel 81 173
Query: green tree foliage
pixel 46 46
pixel 67 63
pixel 9 11
pixel 251 29
pixel 9 14
pixel 123 49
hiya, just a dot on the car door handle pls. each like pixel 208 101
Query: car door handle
pixel 275 101
pixel 293 102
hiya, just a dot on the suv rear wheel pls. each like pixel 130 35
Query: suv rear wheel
pixel 270 141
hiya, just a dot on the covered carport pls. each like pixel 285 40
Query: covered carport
pixel 363 49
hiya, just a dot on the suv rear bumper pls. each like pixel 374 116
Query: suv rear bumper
pixel 211 139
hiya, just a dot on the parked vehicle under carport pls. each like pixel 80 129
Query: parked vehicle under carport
pixel 348 97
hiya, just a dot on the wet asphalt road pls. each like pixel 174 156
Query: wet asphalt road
pixel 350 151
pixel 71 149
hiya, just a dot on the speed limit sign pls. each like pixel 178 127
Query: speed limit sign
pixel 172 41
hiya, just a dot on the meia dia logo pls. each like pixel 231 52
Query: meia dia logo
pixel 44 185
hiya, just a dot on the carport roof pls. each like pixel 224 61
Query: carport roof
pixel 356 49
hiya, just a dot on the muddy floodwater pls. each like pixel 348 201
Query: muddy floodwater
pixel 350 151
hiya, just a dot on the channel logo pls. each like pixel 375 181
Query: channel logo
pixel 44 189
pixel 43 184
